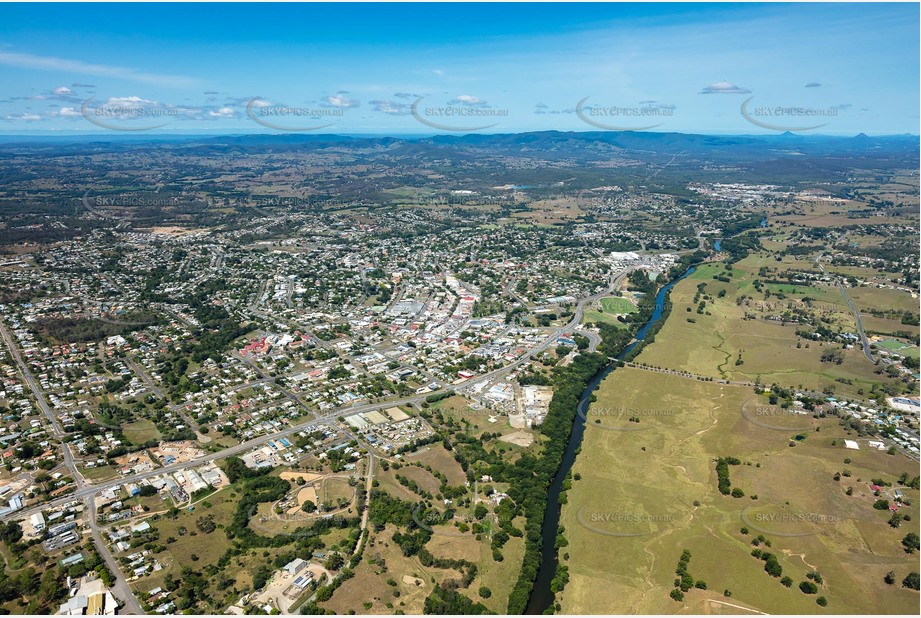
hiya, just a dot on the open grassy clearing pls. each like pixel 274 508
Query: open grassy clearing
pixel 645 483
pixel 616 304
pixel 368 591
pixel 187 541
pixel 99 473
pixel 590 316
pixel 440 459
pixel 714 342
pixel 141 431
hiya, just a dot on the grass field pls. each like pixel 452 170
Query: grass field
pixel 904 349
pixel 439 459
pixel 591 316
pixel 476 422
pixel 141 431
pixel 383 560
pixel 713 343
pixel 646 495
pixel 616 304
pixel 207 547
pixel 99 473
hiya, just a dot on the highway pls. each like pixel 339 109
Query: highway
pixel 243 447
pixel 847 299
pixel 326 419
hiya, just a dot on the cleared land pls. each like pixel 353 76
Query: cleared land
pixel 633 511
pixel 141 431
pixel 721 343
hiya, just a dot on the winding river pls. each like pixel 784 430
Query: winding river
pixel 541 596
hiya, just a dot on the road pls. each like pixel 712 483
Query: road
pixel 329 417
pixel 494 376
pixel 87 492
pixel 369 483
pixel 42 403
pixel 243 447
pixel 153 388
pixel 847 299
pixel 120 589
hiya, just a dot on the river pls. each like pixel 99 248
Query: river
pixel 716 243
pixel 541 596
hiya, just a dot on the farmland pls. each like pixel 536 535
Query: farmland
pixel 643 496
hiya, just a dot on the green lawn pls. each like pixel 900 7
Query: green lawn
pixel 141 431
pixel 617 305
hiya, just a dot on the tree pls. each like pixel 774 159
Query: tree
pixel 485 592
pixel 772 566
pixel 334 562
pixel 808 587
pixel 890 578
pixel 206 524
pixel 912 580
pixel 911 542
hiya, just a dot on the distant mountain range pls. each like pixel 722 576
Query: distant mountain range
pixel 785 155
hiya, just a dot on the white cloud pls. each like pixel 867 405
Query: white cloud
pixel 342 101
pixel 69 112
pixel 543 108
pixel 468 99
pixel 724 88
pixel 224 112
pixel 392 108
pixel 28 117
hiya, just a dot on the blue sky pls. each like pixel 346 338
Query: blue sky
pixel 437 68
